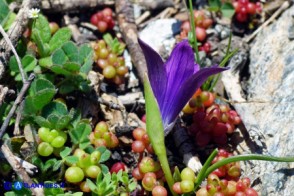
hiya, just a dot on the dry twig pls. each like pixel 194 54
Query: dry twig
pixel 54 6
pixel 20 171
pixel 18 100
pixel 126 21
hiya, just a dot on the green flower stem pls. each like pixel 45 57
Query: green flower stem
pixel 192 22
pixel 201 176
pixel 155 132
pixel 246 158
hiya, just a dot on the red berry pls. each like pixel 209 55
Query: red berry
pixel 138 133
pixel 177 188
pixel 243 10
pixel 137 174
pixel 149 182
pixel 200 34
pixel 102 26
pixel 239 193
pixel 107 11
pixel 143 118
pixel 202 139
pixel 94 20
pixel 185 26
pixel 99 16
pixel 159 191
pixel 244 2
pixel 250 192
pixel 219 129
pixel 251 9
pixel 240 186
pixel 207 22
pixel 237 6
pixel 138 146
pixel 207 47
pixel 241 17
pixel 117 167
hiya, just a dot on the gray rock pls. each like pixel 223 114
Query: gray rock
pixel 268 109
pixel 159 34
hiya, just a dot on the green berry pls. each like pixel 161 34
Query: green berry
pixel 92 171
pixel 43 133
pixel 58 142
pixel 187 186
pixel 109 72
pixel 74 174
pixel 45 149
pixel 188 174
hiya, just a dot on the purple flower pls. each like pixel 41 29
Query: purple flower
pixel 175 81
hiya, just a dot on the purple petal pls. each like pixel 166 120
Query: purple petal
pixel 156 70
pixel 179 67
pixel 187 90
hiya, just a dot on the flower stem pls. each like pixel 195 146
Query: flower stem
pixel 166 169
pixel 246 157
pixel 192 23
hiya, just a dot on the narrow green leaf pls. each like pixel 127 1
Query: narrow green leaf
pixel 91 185
pixel 155 131
pixel 228 10
pixel 201 176
pixel 246 157
pixel 59 38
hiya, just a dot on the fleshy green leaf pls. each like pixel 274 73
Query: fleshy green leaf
pixel 28 62
pixel 71 66
pixel 4 11
pixel 59 57
pixel 42 26
pixel 8 20
pixel 227 10
pixel 65 152
pixel 79 135
pixel 214 5
pixel 59 38
pixel 71 51
pixel 72 159
pixel 57 165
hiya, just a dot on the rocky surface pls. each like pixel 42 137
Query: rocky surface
pixel 267 106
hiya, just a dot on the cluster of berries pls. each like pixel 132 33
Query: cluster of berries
pixel 103 20
pixel 51 140
pixel 101 136
pixel 245 8
pixel 87 166
pixel 226 180
pixel 111 64
pixel 211 121
pixel 202 22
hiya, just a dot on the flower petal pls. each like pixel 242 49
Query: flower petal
pixel 156 71
pixel 179 67
pixel 187 90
